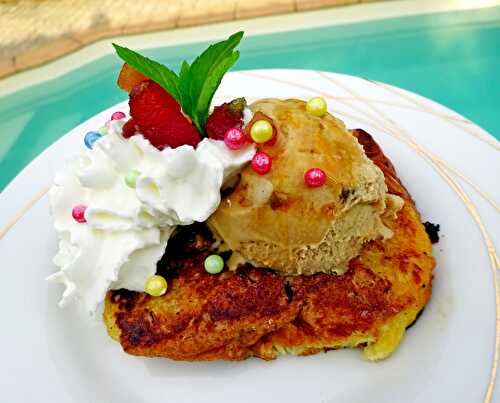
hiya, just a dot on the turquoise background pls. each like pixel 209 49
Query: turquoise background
pixel 452 58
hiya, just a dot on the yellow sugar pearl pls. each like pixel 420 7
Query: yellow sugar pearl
pixel 261 131
pixel 156 286
pixel 316 106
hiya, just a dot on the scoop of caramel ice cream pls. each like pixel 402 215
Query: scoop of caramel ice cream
pixel 276 221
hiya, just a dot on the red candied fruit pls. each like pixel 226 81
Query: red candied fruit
pixel 129 128
pixel 157 115
pixel 224 117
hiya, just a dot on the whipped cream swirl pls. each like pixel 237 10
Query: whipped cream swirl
pixel 127 228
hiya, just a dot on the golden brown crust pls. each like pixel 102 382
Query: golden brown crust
pixel 255 312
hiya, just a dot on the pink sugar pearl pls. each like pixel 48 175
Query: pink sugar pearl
pixel 261 162
pixel 117 116
pixel 234 138
pixel 78 213
pixel 314 177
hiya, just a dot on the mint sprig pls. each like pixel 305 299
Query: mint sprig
pixel 151 69
pixel 195 86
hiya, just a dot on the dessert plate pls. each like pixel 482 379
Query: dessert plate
pixel 450 167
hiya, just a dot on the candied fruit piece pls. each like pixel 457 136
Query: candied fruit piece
pixel 129 78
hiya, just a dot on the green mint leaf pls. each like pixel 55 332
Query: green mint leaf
pixel 185 89
pixel 210 86
pixel 206 74
pixel 151 69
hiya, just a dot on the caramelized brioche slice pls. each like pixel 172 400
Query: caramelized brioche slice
pixel 256 312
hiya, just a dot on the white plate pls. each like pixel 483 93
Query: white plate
pixel 450 355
